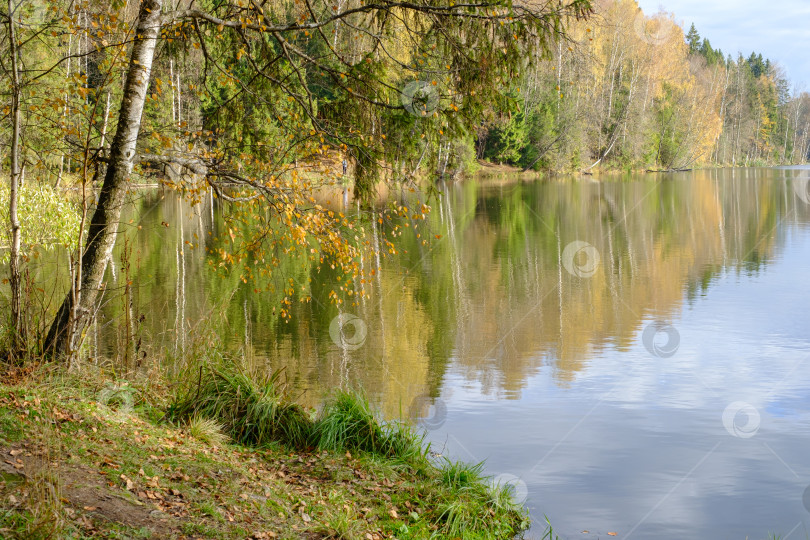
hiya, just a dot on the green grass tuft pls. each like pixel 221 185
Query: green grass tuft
pixel 348 423
pixel 258 413
pixel 252 413
pixel 460 476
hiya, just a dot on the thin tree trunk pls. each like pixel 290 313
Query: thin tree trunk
pixel 722 120
pixel 106 121
pixel 795 130
pixel 171 85
pixel 14 264
pixel 65 113
pixel 179 101
pixel 73 317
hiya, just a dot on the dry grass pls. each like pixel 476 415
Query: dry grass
pixel 207 430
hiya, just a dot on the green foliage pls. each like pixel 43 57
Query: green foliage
pixel 668 137
pixel 543 128
pixel 712 56
pixel 507 140
pixel 47 219
pixel 758 65
pixel 693 39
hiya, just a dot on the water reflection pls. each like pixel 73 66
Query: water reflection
pixel 491 292
pixel 585 336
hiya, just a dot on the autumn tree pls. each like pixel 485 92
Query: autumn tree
pixel 320 78
pixel 28 28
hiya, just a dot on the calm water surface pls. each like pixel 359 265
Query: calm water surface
pixel 633 354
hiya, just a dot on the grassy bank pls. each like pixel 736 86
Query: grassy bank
pixel 222 454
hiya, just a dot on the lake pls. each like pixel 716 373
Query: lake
pixel 631 352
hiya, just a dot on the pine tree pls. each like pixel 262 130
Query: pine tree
pixel 693 40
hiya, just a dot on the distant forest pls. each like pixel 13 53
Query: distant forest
pixel 632 91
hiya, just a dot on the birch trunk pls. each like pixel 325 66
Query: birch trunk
pixel 14 158
pixel 74 315
pixel 65 112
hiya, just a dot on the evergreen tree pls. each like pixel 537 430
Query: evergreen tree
pixel 693 39
pixel 712 56
pixel 758 65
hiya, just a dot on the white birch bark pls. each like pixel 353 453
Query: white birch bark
pixel 73 317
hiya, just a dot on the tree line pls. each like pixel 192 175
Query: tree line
pixel 632 91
